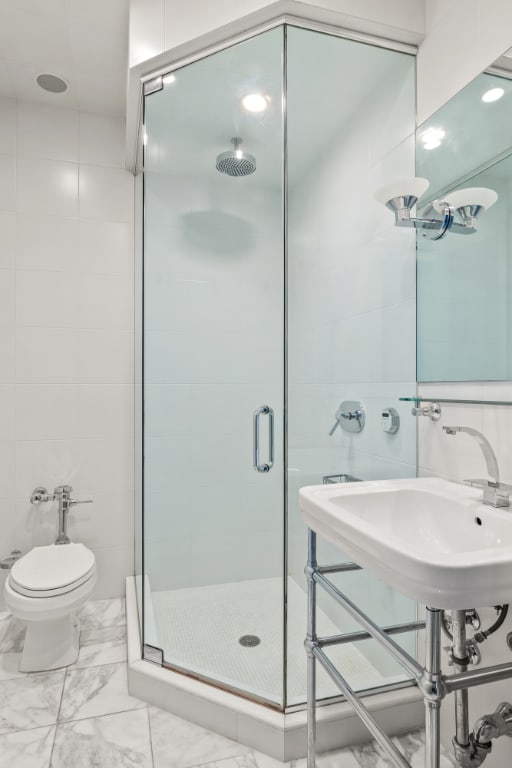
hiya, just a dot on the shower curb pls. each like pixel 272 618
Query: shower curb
pixel 277 734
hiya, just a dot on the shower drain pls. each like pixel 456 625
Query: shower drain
pixel 249 641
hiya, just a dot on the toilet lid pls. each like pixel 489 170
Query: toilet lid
pixel 52 568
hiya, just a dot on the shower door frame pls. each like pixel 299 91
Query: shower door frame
pixel 144 80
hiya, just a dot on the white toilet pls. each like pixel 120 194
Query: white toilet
pixel 45 589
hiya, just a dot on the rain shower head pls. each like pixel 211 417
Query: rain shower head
pixel 235 162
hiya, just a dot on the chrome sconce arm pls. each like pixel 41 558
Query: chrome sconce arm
pixel 456 214
pixel 439 227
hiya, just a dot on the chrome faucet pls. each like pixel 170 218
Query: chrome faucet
pixel 495 494
pixel 62 494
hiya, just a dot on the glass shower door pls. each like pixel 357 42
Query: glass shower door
pixel 351 318
pixel 213 369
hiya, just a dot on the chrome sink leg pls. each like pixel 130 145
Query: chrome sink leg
pixel 434 682
pixel 311 642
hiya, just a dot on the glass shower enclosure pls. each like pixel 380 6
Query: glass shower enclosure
pixel 273 289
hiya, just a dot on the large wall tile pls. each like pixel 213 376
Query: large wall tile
pixel 105 356
pixel 47 187
pixel 8 125
pixel 102 140
pixel 47 131
pixel 7 182
pixel 46 355
pixel 46 299
pixel 66 331
pixel 105 193
pixel 7 239
pixel 106 248
pixel 105 301
pixel 46 411
pixel 47 243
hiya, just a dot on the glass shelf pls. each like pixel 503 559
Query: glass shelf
pixel 453 400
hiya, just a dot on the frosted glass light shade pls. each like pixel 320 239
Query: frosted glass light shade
pixel 413 187
pixel 481 197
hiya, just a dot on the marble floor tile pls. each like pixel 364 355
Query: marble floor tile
pixel 27 749
pixel 265 761
pixel 98 614
pixel 241 761
pixel 100 646
pixel 341 758
pixel 370 756
pixel 413 747
pixel 12 635
pixel 30 701
pixel 180 744
pixel 95 691
pixel 112 741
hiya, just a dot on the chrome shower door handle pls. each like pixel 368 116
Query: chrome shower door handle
pixel 263 410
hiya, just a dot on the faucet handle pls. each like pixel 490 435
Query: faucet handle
pixel 494 494
pixel 74 502
pixel 336 424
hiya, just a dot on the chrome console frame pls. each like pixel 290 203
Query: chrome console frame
pixel 432 684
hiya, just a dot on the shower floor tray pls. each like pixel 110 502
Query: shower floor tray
pixel 200 628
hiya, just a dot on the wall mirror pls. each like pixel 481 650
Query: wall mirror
pixel 464 281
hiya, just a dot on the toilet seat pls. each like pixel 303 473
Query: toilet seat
pixel 52 570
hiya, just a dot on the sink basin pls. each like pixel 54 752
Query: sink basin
pixel 431 539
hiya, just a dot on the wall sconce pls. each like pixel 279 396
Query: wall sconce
pixel 458 211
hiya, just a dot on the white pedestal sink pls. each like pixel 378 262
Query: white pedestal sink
pixel 431 539
pixel 434 541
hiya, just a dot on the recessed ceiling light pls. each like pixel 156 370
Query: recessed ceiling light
pixel 255 102
pixel 493 95
pixel 168 79
pixel 52 83
pixel 432 138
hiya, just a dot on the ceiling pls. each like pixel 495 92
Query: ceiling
pixel 83 41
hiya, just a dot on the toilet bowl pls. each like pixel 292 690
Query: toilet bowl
pixel 45 589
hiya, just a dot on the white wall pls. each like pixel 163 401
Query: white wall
pixel 159 25
pixel 463 38
pixel 66 331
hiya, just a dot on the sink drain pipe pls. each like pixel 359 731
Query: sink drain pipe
pixel 460 661
pixel 470 750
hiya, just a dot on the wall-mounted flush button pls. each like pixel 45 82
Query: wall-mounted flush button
pixel 390 420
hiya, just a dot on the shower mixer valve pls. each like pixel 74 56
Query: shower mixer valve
pixel 350 417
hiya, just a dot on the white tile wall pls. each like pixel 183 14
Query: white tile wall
pixel 66 330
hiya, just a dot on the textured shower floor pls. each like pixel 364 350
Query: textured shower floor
pixel 199 629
